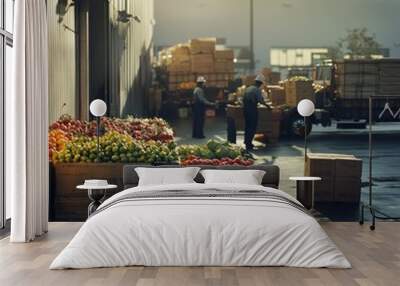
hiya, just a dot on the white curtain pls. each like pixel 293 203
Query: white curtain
pixel 27 123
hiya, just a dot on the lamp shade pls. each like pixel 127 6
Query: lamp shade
pixel 305 107
pixel 98 107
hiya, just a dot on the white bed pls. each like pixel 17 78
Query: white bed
pixel 201 231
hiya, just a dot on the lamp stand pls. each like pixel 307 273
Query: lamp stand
pixel 98 137
pixel 305 139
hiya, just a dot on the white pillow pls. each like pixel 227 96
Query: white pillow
pixel 166 176
pixel 246 177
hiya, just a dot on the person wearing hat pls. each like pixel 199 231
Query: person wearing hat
pixel 252 96
pixel 200 103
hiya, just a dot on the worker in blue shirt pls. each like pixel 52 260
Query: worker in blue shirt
pixel 252 96
pixel 200 103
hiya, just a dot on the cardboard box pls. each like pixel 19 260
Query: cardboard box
pixel 268 121
pixel 179 67
pixel 224 66
pixel 203 46
pixel 180 50
pixel 295 91
pixel 202 63
pixel 341 177
pixel 224 55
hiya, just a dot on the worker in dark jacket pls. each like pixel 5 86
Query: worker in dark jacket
pixel 200 103
pixel 252 96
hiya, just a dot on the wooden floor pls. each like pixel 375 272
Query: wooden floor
pixel 375 257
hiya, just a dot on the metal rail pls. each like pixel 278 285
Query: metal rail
pixel 375 212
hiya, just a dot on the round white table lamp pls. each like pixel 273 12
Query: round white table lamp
pixel 306 107
pixel 98 107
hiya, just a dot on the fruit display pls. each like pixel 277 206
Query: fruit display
pixel 74 140
pixel 133 140
pixel 139 128
pixel 57 140
pixel 298 78
pixel 194 160
pixel 187 85
pixel 213 153
pixel 115 147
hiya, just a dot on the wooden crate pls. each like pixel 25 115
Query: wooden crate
pixel 341 177
pixel 66 202
pixel 268 121
pixel 295 91
pixel 276 94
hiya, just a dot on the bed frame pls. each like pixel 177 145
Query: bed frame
pixel 270 179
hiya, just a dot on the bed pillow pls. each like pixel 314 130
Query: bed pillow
pixel 246 177
pixel 166 176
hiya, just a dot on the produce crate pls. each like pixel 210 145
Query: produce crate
pixel 203 46
pixel 295 91
pixel 276 94
pixel 66 202
pixel 341 177
pixel 268 121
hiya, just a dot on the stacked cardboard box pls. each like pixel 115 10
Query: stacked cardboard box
pixel 276 94
pixel 224 61
pixel 298 90
pixel 202 63
pixel 179 59
pixel 341 177
pixel 184 62
pixel 203 46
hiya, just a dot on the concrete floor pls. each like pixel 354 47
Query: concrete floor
pixel 288 155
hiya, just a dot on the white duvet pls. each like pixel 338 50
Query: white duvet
pixel 202 232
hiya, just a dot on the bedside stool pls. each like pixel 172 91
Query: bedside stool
pixel 305 187
pixel 96 195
